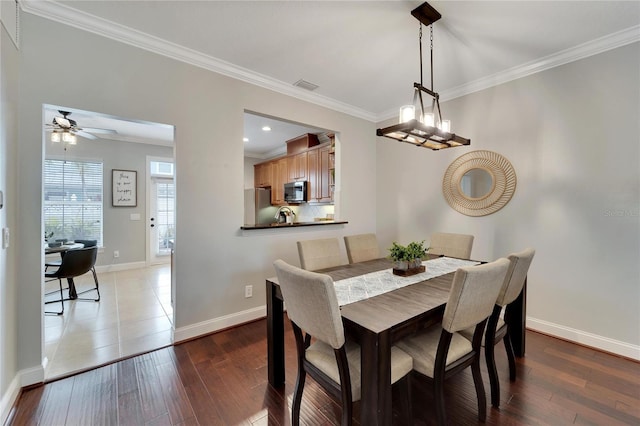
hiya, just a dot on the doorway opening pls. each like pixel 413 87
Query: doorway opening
pixel 135 312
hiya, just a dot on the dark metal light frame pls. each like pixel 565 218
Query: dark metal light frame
pixel 414 131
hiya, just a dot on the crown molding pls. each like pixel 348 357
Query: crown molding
pixel 581 51
pixel 66 15
pixel 87 22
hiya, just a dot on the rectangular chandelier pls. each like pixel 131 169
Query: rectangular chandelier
pixel 429 130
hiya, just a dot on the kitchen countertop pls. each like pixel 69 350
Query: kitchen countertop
pixel 293 225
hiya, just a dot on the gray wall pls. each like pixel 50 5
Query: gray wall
pixel 119 231
pixel 214 260
pixel 572 135
pixel 9 324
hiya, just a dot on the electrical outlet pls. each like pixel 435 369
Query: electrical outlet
pixel 248 291
pixel 116 253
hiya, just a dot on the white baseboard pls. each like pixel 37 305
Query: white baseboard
pixel 216 324
pixel 120 267
pixel 23 378
pixel 588 339
pixel 8 399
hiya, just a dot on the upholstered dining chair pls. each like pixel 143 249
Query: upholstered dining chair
pixel 332 360
pixel 74 263
pixel 451 245
pixel 497 329
pixel 362 247
pixel 440 352
pixel 319 254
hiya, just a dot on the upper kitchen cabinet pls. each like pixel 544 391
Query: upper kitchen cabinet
pixel 263 175
pixel 280 177
pixel 301 143
pixel 320 161
pixel 298 169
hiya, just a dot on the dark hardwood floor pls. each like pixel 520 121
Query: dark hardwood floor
pixel 221 379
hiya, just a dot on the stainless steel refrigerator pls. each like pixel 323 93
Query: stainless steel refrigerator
pixel 257 207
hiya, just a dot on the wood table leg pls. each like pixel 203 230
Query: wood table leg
pixel 516 317
pixel 375 406
pixel 275 336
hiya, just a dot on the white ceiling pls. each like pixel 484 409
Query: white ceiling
pixel 363 55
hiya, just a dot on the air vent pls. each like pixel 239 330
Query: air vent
pixel 306 85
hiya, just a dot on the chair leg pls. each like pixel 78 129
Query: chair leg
pixel 56 301
pixel 489 353
pixel 477 380
pixel 510 356
pixel 438 396
pixel 97 289
pixel 297 396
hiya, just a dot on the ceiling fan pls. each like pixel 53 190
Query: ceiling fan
pixel 65 129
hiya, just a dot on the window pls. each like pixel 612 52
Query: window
pixel 73 199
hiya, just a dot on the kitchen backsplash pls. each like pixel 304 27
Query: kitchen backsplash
pixel 309 212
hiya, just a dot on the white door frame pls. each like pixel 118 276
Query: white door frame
pixel 151 259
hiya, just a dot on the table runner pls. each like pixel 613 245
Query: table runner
pixel 362 287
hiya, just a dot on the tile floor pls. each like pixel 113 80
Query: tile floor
pixel 133 316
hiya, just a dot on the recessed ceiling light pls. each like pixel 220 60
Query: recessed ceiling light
pixel 266 128
pixel 245 139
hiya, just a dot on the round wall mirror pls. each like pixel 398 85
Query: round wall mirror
pixel 479 183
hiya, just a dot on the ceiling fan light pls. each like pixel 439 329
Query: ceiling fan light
pixel 69 138
pixel 55 137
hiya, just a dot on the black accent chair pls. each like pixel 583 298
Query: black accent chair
pixel 74 263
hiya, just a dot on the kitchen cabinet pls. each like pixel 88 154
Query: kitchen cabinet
pixel 320 161
pixel 262 175
pixel 298 168
pixel 280 177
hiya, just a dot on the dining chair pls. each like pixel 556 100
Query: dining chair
pixel 497 328
pixel 332 360
pixel 319 254
pixel 74 263
pixel 451 245
pixel 440 352
pixel 362 247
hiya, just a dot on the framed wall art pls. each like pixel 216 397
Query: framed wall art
pixel 124 185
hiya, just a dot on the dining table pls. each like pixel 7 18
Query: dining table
pixel 62 249
pixel 377 317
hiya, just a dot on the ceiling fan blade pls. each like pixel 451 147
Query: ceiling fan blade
pixel 85 135
pixel 98 130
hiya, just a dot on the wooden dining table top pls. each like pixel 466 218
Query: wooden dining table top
pixel 392 309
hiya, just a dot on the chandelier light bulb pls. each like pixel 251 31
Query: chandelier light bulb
pixel 446 126
pixel 407 113
pixel 427 119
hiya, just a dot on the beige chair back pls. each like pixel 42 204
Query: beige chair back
pixel 516 275
pixel 362 247
pixel 473 294
pixel 319 254
pixel 452 245
pixel 311 303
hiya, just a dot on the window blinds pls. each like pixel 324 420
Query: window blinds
pixel 73 199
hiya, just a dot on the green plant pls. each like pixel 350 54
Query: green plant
pixel 413 250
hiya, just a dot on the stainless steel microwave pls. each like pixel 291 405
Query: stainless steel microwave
pixel 295 192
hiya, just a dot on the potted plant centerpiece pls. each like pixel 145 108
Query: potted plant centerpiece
pixel 408 259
